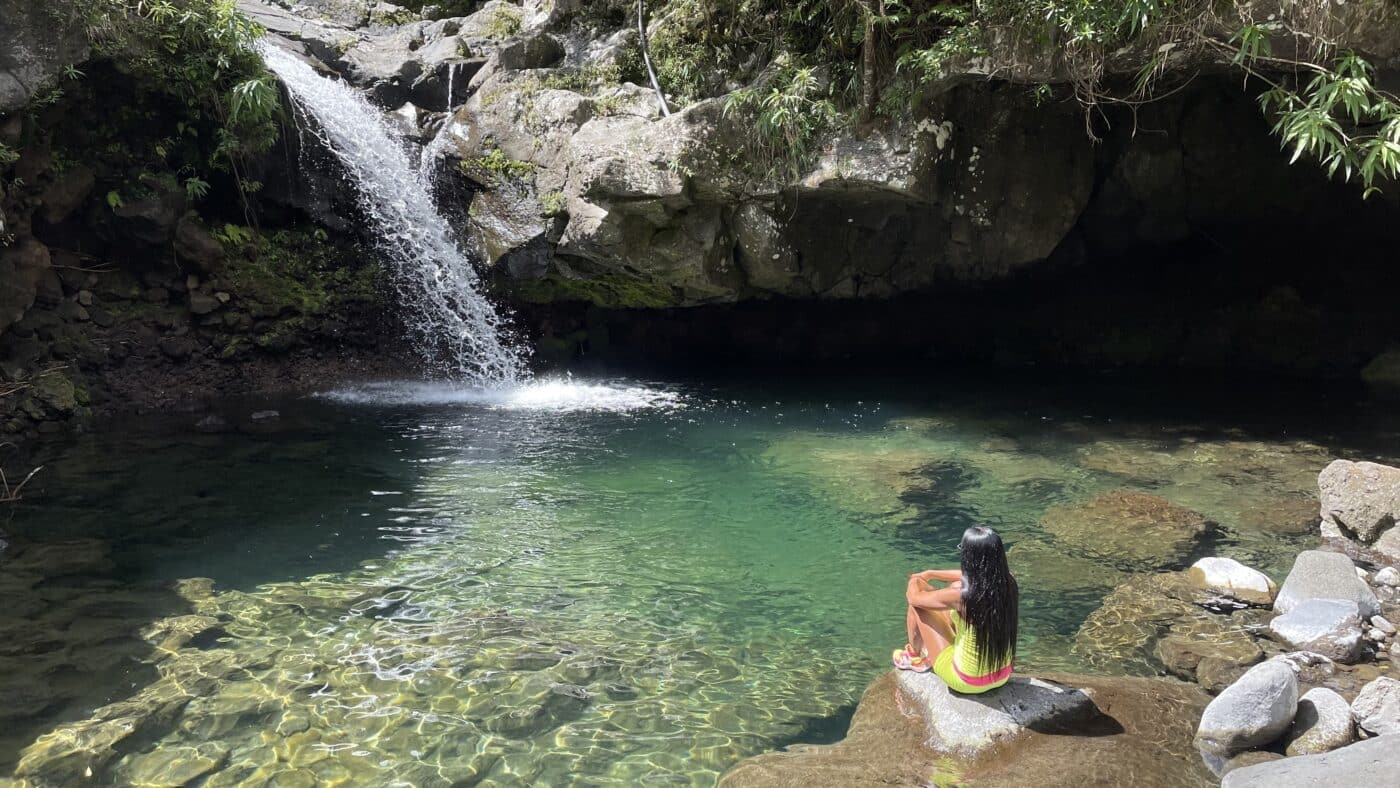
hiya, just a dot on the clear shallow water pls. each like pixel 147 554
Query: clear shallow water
pixel 601 582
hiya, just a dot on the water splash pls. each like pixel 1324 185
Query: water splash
pixel 556 395
pixel 453 325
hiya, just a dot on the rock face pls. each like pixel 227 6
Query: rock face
pixel 1330 627
pixel 1252 712
pixel 1323 723
pixel 37 41
pixel 1361 500
pixel 1322 575
pixel 1233 580
pixel 1377 707
pixel 1370 762
pixel 969 724
pixel 1123 525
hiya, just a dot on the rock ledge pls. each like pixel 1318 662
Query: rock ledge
pixel 967 725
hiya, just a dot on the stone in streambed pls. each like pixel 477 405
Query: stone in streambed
pixel 1330 627
pixel 1370 762
pixel 1377 707
pixel 1323 723
pixel 1124 525
pixel 1231 579
pixel 1361 498
pixel 966 725
pixel 1388 576
pixel 1317 574
pixel 1252 712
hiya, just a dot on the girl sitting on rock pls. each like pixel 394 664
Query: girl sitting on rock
pixel 966 631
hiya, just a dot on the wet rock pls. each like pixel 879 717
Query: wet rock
pixel 1377 707
pixel 195 245
pixel 203 303
pixel 1323 723
pixel 1370 762
pixel 177 348
pixel 1322 575
pixel 67 192
pixel 1214 661
pixel 1330 627
pixel 174 766
pixel 1128 526
pixel 969 724
pixel 153 219
pixel 1252 712
pixel 1231 579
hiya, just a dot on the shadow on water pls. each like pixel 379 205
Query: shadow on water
pixel 829 729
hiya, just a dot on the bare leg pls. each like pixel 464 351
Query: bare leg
pixel 935 630
pixel 911 630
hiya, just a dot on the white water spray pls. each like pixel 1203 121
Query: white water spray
pixel 453 324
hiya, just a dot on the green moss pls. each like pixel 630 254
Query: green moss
pixel 552 203
pixel 298 273
pixel 615 291
pixel 498 167
pixel 504 24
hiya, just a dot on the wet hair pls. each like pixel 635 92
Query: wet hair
pixel 990 597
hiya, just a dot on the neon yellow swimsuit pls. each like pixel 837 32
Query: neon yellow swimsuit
pixel 952 663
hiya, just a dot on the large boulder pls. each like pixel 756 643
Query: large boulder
pixel 1233 580
pixel 1366 763
pixel 1252 712
pixel 1377 706
pixel 1128 526
pixel 1330 627
pixel 1323 723
pixel 1317 574
pixel 969 724
pixel 1361 500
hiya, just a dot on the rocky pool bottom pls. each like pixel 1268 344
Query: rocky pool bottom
pixel 597 583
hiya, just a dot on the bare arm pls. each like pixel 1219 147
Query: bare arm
pixel 940 575
pixel 920 595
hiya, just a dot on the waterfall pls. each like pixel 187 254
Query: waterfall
pixel 453 325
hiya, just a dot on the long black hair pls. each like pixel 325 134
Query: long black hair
pixel 990 597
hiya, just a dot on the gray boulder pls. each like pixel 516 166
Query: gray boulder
pixel 1254 711
pixel 1370 762
pixel 1322 575
pixel 966 725
pixel 1361 499
pixel 1330 627
pixel 1323 723
pixel 1377 706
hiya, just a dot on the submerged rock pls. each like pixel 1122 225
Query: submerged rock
pixel 1330 627
pixel 969 724
pixel 1252 712
pixel 1370 762
pixel 1128 526
pixel 1377 707
pixel 1231 579
pixel 1317 574
pixel 1323 723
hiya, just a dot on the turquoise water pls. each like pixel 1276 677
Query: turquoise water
pixel 629 582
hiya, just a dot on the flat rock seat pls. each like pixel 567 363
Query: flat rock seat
pixel 967 725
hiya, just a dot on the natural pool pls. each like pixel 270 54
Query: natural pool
pixel 615 582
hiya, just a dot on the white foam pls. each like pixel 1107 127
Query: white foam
pixel 558 396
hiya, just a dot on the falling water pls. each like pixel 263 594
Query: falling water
pixel 452 323
pixel 428 159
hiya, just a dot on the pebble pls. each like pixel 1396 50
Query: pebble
pixel 1381 623
pixel 1375 635
pixel 1362 573
pixel 1389 576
